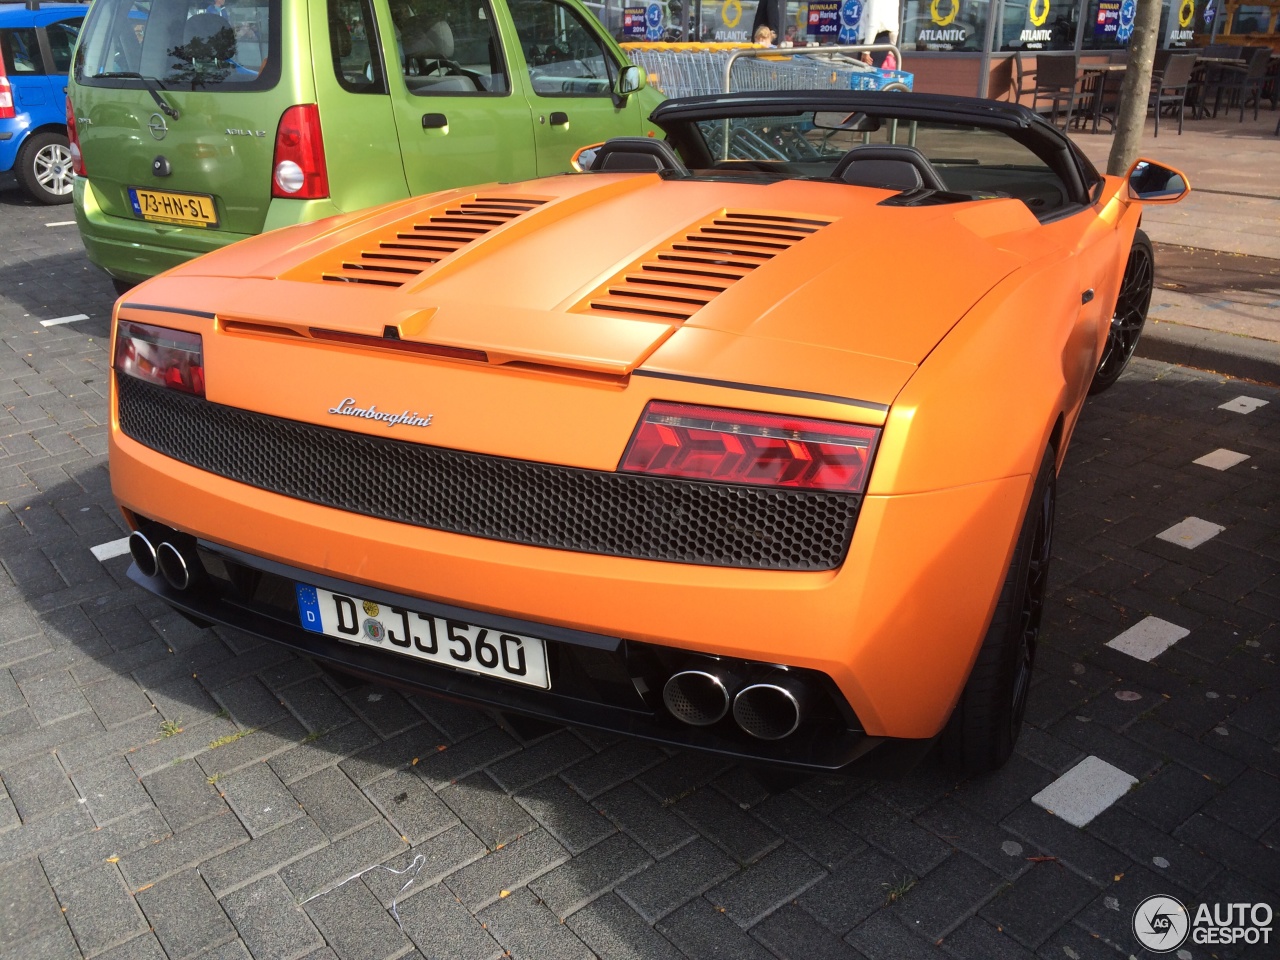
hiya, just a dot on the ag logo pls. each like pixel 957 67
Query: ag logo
pixel 935 13
pixel 1038 18
pixel 1186 12
pixel 1161 923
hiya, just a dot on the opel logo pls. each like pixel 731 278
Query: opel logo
pixel 158 127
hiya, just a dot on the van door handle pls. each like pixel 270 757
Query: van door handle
pixel 435 121
pixel 559 119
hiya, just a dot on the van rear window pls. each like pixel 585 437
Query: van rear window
pixel 202 45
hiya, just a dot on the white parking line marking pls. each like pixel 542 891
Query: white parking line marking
pixel 61 223
pixel 1148 638
pixel 114 548
pixel 1222 459
pixel 1191 532
pixel 1084 791
pixel 1242 404
pixel 71 319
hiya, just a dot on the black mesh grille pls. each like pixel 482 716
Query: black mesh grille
pixel 518 501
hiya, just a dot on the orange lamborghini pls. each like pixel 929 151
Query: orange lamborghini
pixel 742 439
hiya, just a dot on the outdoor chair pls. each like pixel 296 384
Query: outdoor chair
pixel 1024 80
pixel 1243 84
pixel 1169 88
pixel 1058 82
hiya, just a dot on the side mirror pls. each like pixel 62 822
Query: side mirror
pixel 1153 182
pixel 631 79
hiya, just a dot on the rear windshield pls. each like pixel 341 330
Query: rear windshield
pixel 181 44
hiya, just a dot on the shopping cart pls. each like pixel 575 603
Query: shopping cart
pixel 693 69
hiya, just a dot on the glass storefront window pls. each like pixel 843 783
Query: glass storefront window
pixel 1178 23
pixel 944 24
pixel 1039 25
pixel 1254 19
pixel 1101 26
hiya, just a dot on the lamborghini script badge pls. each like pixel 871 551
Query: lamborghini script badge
pixel 348 408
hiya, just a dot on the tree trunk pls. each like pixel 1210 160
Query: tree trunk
pixel 1131 114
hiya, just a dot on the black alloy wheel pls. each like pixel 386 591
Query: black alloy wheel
pixel 980 736
pixel 1130 314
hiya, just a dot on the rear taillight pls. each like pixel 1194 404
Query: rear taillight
pixel 298 170
pixel 160 355
pixel 73 141
pixel 732 446
pixel 7 111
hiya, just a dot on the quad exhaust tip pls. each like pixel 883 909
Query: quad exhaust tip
pixel 173 566
pixel 769 711
pixel 143 552
pixel 696 697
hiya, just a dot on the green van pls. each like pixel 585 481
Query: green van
pixel 195 123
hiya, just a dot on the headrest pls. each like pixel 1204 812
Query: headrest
pixel 895 167
pixel 207 36
pixel 638 155
pixel 432 42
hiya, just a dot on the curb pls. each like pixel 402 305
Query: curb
pixel 1245 358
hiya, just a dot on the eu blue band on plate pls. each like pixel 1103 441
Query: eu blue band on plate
pixel 308 608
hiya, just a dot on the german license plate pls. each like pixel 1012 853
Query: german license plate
pixel 163 206
pixel 494 653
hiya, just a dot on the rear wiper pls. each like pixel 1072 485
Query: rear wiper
pixel 147 82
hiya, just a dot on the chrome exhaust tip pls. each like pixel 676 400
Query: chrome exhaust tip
pixel 143 552
pixel 696 697
pixel 173 565
pixel 768 711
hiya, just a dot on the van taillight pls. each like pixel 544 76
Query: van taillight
pixel 6 95
pixel 298 171
pixel 73 141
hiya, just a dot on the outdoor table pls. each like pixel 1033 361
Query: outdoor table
pixel 1202 63
pixel 1101 73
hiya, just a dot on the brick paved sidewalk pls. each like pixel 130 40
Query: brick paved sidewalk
pixel 173 792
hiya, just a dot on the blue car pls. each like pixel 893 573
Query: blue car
pixel 36 41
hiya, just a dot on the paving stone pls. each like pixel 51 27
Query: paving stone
pixel 39 786
pixel 572 885
pixel 250 703
pixel 1089 857
pixel 486 810
pixel 44 833
pixel 55 943
pixel 1249 804
pixel 334 803
pixel 425 865
pixel 145 947
pixel 117 700
pixel 316 705
pixel 664 886
pixel 342 858
pixel 27 904
pixel 1169 798
pixel 1241 853
pixel 411 806
pixel 208 839
pixel 1110 915
pixel 111 790
pixel 435 918
pixel 613 931
pixel 384 709
pixel 513 866
pixel 268 853
pixel 543 759
pixel 456 721
pixel 185 916
pixel 996 796
pixel 565 815
pixel 853 891
pixel 523 924
pixel 781 876
pixel 1039 902
pixel 737 832
pixel 268 920
pixel 702 932
pixel 1085 791
pixel 611 766
pixel 355 924
pixel 794 935
pixel 882 937
pixel 1185 867
pixel 821 837
pixel 380 759
pixel 976 939
pixel 681 774
pixel 979 838
pixel 316 754
pixel 192 740
pixel 184 795
pixel 916 849
pixel 250 746
pixel 99 909
pixel 87 850
pixel 643 819
pixel 259 798
pixel 184 701
pixel 439 768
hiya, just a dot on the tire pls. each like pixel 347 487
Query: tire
pixel 1130 314
pixel 44 168
pixel 984 726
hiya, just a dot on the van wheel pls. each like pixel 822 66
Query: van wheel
pixel 44 168
pixel 980 735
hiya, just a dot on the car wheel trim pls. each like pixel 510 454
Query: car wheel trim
pixel 1130 313
pixel 52 167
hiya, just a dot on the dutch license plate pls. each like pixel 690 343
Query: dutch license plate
pixel 507 656
pixel 163 206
